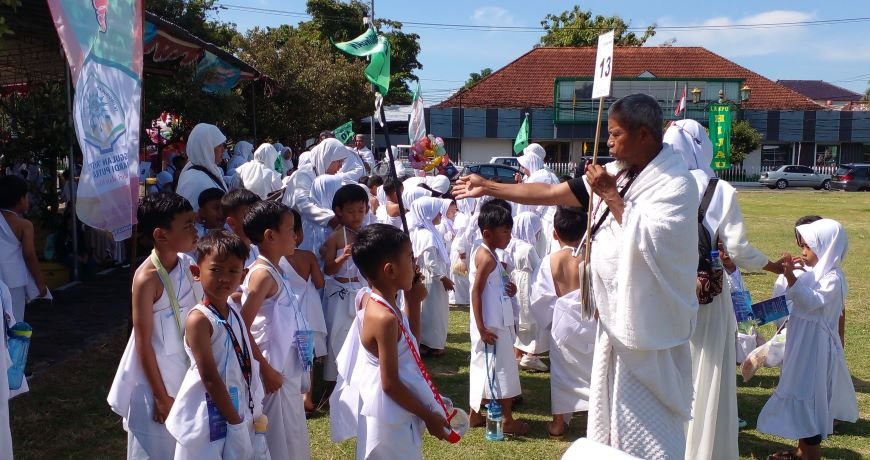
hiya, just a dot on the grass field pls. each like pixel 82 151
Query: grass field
pixel 66 416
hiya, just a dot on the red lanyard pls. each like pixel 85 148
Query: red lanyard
pixel 416 354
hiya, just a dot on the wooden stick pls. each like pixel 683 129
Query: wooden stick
pixel 587 280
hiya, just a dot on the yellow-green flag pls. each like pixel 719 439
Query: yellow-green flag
pixel 522 140
pixel 378 49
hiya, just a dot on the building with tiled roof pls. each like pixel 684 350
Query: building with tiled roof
pixel 553 86
pixel 823 93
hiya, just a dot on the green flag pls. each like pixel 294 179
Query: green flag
pixel 378 49
pixel 720 134
pixel 344 133
pixel 522 140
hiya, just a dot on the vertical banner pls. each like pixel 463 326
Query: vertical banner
pixel 417 123
pixel 720 134
pixel 103 44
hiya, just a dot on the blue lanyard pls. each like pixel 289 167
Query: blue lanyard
pixel 490 373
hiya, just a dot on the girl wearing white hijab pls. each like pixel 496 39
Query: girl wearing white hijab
pixel 259 175
pixel 713 429
pixel 815 387
pixel 322 192
pixel 205 149
pixel 434 261
pixel 325 158
pixel 532 165
pixel 458 250
pixel 445 228
pixel 531 340
pixel 242 153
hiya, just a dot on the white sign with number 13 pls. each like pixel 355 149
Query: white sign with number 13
pixel 603 66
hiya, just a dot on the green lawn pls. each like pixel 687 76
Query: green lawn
pixel 65 415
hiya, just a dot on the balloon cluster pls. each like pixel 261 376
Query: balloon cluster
pixel 427 153
pixel 165 128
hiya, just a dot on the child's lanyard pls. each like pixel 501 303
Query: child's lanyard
pixel 490 374
pixel 416 354
pixel 297 309
pixel 170 290
pixel 242 352
pixel 505 276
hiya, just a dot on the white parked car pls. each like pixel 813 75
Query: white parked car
pixel 795 176
pixel 508 161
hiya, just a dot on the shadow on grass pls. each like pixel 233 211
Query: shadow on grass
pixel 754 446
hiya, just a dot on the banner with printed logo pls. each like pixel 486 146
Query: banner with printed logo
pixel 102 40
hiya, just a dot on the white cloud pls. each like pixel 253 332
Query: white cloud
pixel 494 16
pixel 743 42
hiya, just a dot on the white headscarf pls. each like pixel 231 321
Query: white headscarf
pixel 439 183
pixel 531 162
pixel 164 181
pixel 690 139
pixel 527 225
pixel 259 175
pixel 327 151
pixel 424 211
pixel 466 206
pixel 243 149
pixel 827 238
pixel 305 160
pixel 535 149
pixel 324 188
pixel 200 148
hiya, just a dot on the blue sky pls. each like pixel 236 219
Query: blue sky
pixel 837 53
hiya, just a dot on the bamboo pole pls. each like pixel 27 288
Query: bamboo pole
pixel 587 279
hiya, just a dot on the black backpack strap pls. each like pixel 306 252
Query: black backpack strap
pixel 708 197
pixel 211 176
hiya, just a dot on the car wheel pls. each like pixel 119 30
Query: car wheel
pixel 781 184
pixel 826 184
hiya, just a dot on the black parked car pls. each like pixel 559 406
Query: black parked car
pixel 852 177
pixel 494 172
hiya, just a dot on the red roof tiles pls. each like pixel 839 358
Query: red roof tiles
pixel 528 80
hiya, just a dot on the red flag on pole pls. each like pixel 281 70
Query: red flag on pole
pixel 682 105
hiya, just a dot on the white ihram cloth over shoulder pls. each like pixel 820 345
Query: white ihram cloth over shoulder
pixel 571 341
pixel 434 261
pixel 259 175
pixel 5 427
pixel 301 182
pixel 712 433
pixel 643 280
pixel 200 152
pixel 815 387
pixel 360 408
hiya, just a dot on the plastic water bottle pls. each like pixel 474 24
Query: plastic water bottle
pixel 717 262
pixel 19 343
pixel 261 452
pixel 494 422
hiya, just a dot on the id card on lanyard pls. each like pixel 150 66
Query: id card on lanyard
pixel 303 337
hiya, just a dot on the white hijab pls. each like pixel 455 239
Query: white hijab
pixel 439 183
pixel 324 188
pixel 244 150
pixel 327 151
pixel 531 162
pixel 259 175
pixel 690 139
pixel 305 160
pixel 527 225
pixel 425 210
pixel 200 148
pixel 535 149
pixel 827 238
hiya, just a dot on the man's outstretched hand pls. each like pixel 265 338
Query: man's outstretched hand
pixel 471 186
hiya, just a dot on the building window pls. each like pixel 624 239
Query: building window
pixel 867 153
pixel 827 154
pixel 775 155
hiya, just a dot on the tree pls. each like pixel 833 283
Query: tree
pixel 579 28
pixel 744 139
pixel 192 15
pixel 475 77
pixel 315 88
pixel 339 21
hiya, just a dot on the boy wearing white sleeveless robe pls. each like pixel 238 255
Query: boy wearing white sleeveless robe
pixel 220 395
pixel 153 365
pixel 383 399
pixel 556 305
pixel 283 339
